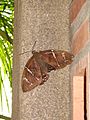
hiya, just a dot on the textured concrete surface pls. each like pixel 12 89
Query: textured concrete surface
pixel 47 22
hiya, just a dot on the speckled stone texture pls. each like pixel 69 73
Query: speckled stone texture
pixel 47 22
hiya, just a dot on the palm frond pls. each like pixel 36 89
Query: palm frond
pixel 5 70
pixel 6 48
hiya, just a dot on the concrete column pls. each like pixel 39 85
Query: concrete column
pixel 47 22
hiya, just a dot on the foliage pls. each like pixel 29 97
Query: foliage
pixel 6 48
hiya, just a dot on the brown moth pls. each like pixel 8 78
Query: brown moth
pixel 40 64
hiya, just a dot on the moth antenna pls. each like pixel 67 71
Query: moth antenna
pixel 33 47
pixel 30 50
pixel 24 52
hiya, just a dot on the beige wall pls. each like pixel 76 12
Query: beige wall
pixel 47 22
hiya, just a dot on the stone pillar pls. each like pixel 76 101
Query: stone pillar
pixel 47 22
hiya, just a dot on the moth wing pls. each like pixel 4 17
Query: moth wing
pixel 49 59
pixel 31 75
pixel 56 59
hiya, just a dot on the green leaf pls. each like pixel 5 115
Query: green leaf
pixel 6 48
